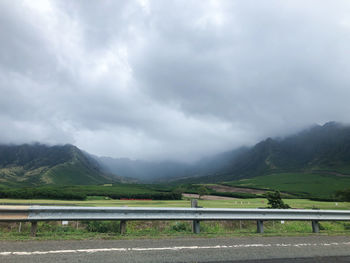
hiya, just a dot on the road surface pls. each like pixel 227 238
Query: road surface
pixel 316 248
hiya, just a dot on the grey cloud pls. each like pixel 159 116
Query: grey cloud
pixel 170 79
pixel 259 71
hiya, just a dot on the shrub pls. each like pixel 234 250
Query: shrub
pixel 344 195
pixel 180 227
pixel 103 226
pixel 275 201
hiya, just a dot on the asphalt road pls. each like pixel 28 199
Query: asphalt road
pixel 315 248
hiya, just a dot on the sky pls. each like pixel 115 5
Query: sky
pixel 170 80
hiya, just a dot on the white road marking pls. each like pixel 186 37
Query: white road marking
pixel 94 250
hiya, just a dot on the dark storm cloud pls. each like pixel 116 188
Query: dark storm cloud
pixel 170 79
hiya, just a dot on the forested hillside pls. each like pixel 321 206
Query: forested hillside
pixel 37 164
pixel 320 149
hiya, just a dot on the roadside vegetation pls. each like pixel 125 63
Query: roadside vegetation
pixel 160 229
pixel 137 195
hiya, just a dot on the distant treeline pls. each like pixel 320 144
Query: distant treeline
pixel 82 192
pixel 343 195
pixel 236 195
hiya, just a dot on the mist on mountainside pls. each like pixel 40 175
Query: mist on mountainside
pixel 318 148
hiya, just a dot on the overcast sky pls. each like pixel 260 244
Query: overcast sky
pixel 170 79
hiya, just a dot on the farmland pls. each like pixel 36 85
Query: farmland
pixel 230 203
pixel 82 192
pixel 307 185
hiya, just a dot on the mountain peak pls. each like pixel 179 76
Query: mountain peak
pixel 332 124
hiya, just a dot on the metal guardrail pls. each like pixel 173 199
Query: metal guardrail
pixel 58 213
pixel 52 213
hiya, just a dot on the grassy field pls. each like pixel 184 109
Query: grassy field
pixel 303 184
pixel 232 203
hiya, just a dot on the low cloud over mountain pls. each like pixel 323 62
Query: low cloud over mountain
pixel 170 80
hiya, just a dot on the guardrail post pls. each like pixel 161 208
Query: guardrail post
pixel 33 228
pixel 195 223
pixel 196 227
pixel 122 227
pixel 315 226
pixel 194 203
pixel 260 226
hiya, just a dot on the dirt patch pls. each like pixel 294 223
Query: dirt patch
pixel 208 197
pixel 232 189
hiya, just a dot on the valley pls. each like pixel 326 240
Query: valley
pixel 313 164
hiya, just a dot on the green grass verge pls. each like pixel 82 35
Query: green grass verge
pixel 162 229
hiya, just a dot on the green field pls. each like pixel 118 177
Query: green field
pixel 233 203
pixel 301 184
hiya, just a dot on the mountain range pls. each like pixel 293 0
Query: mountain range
pixel 321 149
pixel 38 164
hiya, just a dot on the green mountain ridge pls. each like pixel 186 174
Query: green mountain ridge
pixel 320 149
pixel 38 164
